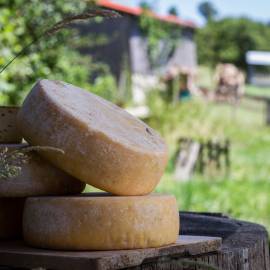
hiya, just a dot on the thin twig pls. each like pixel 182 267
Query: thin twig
pixel 27 149
pixel 83 16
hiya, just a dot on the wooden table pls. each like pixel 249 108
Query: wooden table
pixel 16 254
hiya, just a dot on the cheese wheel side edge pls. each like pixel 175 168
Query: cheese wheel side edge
pixel 101 223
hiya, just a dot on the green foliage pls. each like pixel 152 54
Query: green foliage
pixel 204 78
pixel 157 31
pixel 207 10
pixel 244 193
pixel 229 39
pixel 105 86
pixel 52 57
pixel 246 199
pixel 19 25
pixel 167 118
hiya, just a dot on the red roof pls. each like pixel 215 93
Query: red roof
pixel 137 11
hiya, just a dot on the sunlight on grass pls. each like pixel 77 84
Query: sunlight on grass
pixel 258 91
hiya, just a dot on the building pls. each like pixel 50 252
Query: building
pixel 126 50
pixel 258 67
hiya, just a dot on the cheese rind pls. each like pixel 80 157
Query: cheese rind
pixel 38 177
pixel 11 211
pixel 104 145
pixel 101 222
pixel 8 129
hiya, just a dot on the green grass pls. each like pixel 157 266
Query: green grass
pixel 258 91
pixel 245 192
pixel 246 199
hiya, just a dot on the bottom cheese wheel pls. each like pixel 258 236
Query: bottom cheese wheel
pixel 100 222
pixel 37 177
pixel 11 210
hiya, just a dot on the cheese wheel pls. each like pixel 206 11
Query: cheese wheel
pixel 104 145
pixel 38 177
pixel 11 211
pixel 100 222
pixel 8 129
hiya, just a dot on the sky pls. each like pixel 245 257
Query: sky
pixel 188 9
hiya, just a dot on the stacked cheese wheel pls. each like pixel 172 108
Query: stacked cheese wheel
pixel 103 146
pixel 32 176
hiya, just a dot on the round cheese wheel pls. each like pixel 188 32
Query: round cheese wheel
pixel 11 211
pixel 100 222
pixel 8 129
pixel 104 145
pixel 38 177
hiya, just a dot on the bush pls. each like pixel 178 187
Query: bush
pixel 53 57
pixel 227 40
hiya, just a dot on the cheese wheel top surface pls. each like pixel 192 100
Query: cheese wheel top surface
pixel 101 222
pixel 104 145
pixel 37 177
pixel 101 116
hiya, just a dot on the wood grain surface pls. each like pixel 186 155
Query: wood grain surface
pixel 16 254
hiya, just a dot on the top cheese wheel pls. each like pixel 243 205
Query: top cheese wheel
pixel 104 145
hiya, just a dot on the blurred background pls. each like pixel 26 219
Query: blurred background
pixel 196 71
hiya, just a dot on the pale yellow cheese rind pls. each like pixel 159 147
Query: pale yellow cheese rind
pixel 38 177
pixel 100 222
pixel 11 211
pixel 104 145
pixel 8 128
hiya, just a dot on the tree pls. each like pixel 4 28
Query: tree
pixel 145 5
pixel 229 39
pixel 173 11
pixel 207 10
pixel 161 37
pixel 54 57
pixel 22 23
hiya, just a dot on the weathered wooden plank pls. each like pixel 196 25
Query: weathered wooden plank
pixel 16 254
pixel 244 244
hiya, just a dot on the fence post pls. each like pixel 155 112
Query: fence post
pixel 268 112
